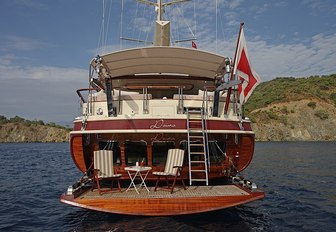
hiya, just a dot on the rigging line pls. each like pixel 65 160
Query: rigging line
pixel 147 34
pixel 195 18
pixel 101 32
pixel 108 22
pixel 121 23
pixel 104 33
pixel 103 27
pixel 178 8
pixel 223 153
pixel 177 29
pixel 222 26
pixel 216 24
pixel 174 22
pixel 134 18
pixel 143 15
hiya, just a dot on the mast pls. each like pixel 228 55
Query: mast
pixel 160 10
pixel 162 27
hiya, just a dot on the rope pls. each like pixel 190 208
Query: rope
pixel 216 24
pixel 101 33
pixel 223 153
pixel 108 22
pixel 195 18
pixel 178 8
pixel 121 23
pixel 227 157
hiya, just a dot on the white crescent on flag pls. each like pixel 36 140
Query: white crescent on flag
pixel 242 68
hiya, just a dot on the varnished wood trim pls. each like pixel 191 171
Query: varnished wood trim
pixel 76 149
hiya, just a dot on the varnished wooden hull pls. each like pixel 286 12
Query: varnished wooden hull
pixel 165 204
pixel 83 143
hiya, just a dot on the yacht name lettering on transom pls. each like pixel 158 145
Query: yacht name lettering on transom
pixel 160 124
pixel 159 137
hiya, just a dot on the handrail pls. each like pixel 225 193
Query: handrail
pixel 210 87
pixel 134 87
pixel 78 91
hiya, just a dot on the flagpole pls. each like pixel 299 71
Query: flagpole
pixel 234 63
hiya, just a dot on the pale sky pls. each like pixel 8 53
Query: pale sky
pixel 46 45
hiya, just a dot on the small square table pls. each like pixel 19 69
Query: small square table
pixel 135 171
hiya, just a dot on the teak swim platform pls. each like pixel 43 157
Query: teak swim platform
pixel 196 199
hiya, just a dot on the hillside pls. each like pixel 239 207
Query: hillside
pixel 18 130
pixel 294 109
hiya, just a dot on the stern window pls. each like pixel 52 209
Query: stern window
pixel 160 151
pixel 135 151
pixel 115 147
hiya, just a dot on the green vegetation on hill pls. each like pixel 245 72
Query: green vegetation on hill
pixel 288 108
pixel 17 119
pixel 285 89
pixel 20 130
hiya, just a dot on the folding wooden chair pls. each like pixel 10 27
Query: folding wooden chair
pixel 103 169
pixel 173 168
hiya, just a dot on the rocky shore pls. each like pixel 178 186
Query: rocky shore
pixel 296 121
pixel 22 133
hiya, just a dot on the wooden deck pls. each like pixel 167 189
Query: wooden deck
pixel 195 199
pixel 192 191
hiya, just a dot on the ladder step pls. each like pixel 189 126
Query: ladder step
pixel 195 127
pixel 197 162
pixel 198 179
pixel 196 145
pixel 198 171
pixel 194 130
pixel 196 136
pixel 196 153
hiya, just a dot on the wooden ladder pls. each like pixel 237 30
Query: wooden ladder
pixel 198 153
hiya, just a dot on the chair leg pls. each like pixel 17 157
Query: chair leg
pixel 112 185
pixel 119 185
pixel 157 182
pixel 167 182
pixel 172 190
pixel 183 184
pixel 178 174
pixel 98 185
pixel 95 180
pixel 92 183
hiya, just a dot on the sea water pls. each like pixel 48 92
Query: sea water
pixel 299 179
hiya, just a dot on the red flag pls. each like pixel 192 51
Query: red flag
pixel 193 44
pixel 242 68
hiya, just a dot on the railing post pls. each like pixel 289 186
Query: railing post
pixel 145 101
pixel 111 110
pixel 180 100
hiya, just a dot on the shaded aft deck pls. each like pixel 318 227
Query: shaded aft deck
pixel 195 199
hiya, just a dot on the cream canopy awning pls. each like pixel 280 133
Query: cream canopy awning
pixel 167 60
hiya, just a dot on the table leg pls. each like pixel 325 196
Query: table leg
pixel 132 181
pixel 143 183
